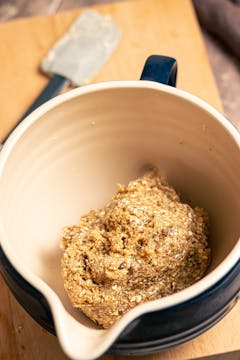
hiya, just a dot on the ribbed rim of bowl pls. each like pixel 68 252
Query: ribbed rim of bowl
pixel 201 286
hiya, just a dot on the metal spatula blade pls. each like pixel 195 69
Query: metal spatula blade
pixel 77 56
pixel 85 47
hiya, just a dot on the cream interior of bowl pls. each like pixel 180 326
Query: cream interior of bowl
pixel 69 155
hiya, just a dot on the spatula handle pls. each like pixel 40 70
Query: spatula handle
pixel 52 89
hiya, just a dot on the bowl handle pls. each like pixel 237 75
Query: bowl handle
pixel 162 69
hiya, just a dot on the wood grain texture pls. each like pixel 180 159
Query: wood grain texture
pixel 224 65
pixel 146 27
pixel 164 27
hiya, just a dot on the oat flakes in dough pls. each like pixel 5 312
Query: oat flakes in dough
pixel 143 245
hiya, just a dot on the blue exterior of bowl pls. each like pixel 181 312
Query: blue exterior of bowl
pixel 158 330
pixel 151 332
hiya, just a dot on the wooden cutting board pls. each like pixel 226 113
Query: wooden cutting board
pixel 167 27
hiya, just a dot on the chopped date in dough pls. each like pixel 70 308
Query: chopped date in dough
pixel 143 245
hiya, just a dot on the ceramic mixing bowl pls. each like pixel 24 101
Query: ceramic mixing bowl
pixel 67 157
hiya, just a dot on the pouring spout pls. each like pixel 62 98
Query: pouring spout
pixel 80 342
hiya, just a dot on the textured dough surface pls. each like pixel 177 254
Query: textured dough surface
pixel 143 245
